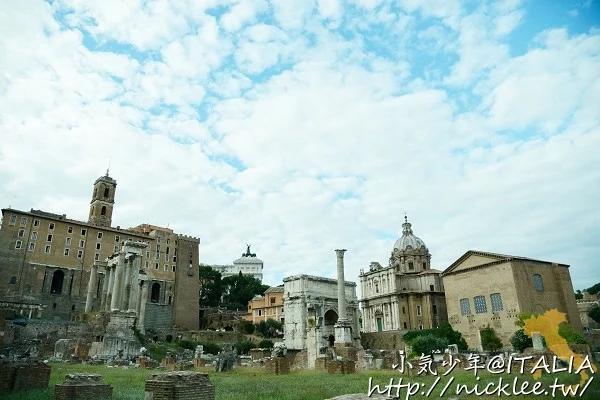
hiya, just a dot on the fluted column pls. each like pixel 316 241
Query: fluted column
pixel 115 301
pixel 142 312
pixel 91 286
pixel 127 297
pixel 105 287
pixel 111 283
pixel 341 286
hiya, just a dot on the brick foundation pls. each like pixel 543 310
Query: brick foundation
pixel 277 366
pixel 184 385
pixel 24 375
pixel 341 367
pixel 82 387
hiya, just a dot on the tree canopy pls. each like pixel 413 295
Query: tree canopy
pixel 211 287
pixel 240 289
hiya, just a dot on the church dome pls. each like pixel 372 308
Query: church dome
pixel 408 239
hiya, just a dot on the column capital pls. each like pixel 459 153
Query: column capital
pixel 340 252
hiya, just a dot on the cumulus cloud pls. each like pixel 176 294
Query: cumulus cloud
pixel 302 127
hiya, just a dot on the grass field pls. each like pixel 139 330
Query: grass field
pixel 255 384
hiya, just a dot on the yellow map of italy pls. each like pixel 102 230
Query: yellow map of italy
pixel 547 326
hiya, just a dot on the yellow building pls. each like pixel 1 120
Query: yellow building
pixel 487 289
pixel 269 306
pixel 46 259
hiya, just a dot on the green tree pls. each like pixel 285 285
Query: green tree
pixel 594 314
pixel 427 344
pixel 566 331
pixel 489 340
pixel 594 289
pixel 520 341
pixel 445 331
pixel 243 347
pixel 578 295
pixel 241 289
pixel 269 328
pixel 211 286
pixel 266 344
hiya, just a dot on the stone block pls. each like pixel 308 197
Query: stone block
pixel 183 385
pixel 24 375
pixel 82 387
pixel 341 367
pixel 277 366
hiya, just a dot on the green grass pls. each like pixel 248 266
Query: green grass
pixel 255 384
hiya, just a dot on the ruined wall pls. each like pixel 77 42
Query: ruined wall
pixel 82 387
pixel 390 340
pixel 182 385
pixel 158 318
pixel 24 375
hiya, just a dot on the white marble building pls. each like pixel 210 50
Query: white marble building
pixel 311 313
pixel 406 294
pixel 247 264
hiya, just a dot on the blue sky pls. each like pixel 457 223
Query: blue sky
pixel 302 127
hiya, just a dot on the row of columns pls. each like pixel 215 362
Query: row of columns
pixel 118 292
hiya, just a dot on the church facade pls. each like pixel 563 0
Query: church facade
pixel 406 293
pixel 47 259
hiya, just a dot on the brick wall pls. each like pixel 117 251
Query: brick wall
pixel 391 340
pixel 183 385
pixel 158 318
pixel 277 366
pixel 24 375
pixel 341 367
pixel 82 387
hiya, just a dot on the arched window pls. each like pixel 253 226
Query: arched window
pixel 155 292
pixel 106 192
pixel 103 210
pixel 331 317
pixel 57 282
pixel 13 280
pixel 538 283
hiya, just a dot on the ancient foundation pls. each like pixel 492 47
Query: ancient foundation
pixel 341 367
pixel 184 385
pixel 82 387
pixel 24 375
pixel 277 366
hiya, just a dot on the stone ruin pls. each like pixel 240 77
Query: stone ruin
pixel 225 361
pixel 19 375
pixel 82 387
pixel 278 364
pixel 183 385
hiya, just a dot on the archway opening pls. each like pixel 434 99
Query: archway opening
pixel 57 282
pixel 331 317
pixel 106 192
pixel 331 340
pixel 103 210
pixel 155 292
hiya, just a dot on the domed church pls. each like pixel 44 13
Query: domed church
pixel 407 293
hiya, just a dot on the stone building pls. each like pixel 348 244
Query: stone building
pixel 487 289
pixel 48 259
pixel 312 311
pixel 405 294
pixel 247 264
pixel 268 306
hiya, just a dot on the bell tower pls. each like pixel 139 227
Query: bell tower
pixel 103 201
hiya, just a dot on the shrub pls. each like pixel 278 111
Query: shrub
pixel 265 344
pixel 566 331
pixel 520 341
pixel 249 328
pixel 427 344
pixel 594 314
pixel 243 347
pixel 210 347
pixel 445 332
pixel 187 344
pixel 489 340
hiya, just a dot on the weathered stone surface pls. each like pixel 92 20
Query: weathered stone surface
pixel 277 366
pixel 183 385
pixel 24 375
pixel 341 367
pixel 82 387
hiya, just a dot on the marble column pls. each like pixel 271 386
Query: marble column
pixel 111 282
pixel 143 300
pixel 105 287
pixel 127 301
pixel 115 302
pixel 341 286
pixel 91 287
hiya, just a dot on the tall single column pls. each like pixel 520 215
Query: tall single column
pixel 105 287
pixel 143 300
pixel 91 286
pixel 115 301
pixel 111 283
pixel 341 286
pixel 127 296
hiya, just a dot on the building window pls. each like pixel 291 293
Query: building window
pixel 21 233
pixel 173 268
pixel 82 243
pixel 47 249
pixel 155 265
pixel 103 210
pixel 34 235
pixel 147 264
pixel 157 256
pixel 31 246
pixel 147 254
pixel 36 222
pixel 435 309
pixel 418 310
pixel 174 258
pixel 13 280
pixel 465 307
pixel 166 257
pixel 70 229
pixel 117 239
pixel 431 287
pixel 403 310
pixel 51 226
pixel 23 221
pixel 480 306
pixel 18 244
pixel 166 267
pixel 97 246
pixel 405 325
pixel 411 265
pixel 496 300
pixel 537 283
pixel 96 256
pixel 420 326
pixel 83 232
pixel 424 265
pixel 66 252
pixel 99 235
pixel 272 300
pixel 259 313
pixel 79 253
pixel 13 220
pixel 49 238
pixel 116 249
